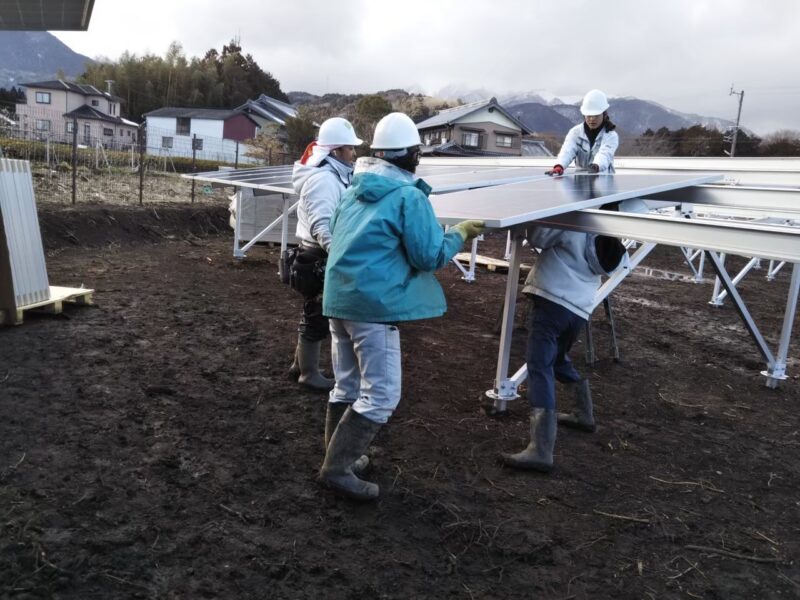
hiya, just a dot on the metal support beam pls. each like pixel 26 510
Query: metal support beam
pixel 765 241
pixel 777 372
pixel 504 388
pixel 741 308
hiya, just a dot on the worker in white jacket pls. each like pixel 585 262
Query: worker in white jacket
pixel 590 144
pixel 561 289
pixel 319 178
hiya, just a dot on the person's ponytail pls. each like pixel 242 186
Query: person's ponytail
pixel 607 124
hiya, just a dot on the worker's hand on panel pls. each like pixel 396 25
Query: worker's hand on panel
pixel 594 168
pixel 555 171
pixel 469 229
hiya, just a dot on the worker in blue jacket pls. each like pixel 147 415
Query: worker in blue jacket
pixel 386 245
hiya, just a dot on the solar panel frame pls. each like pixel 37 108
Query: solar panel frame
pixel 512 204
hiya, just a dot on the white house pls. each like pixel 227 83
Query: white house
pixel 217 133
pixel 52 109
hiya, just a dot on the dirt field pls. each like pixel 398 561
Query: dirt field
pixel 151 446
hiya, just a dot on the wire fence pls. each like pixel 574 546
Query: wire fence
pixel 74 161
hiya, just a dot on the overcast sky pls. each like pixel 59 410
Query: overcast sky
pixel 684 54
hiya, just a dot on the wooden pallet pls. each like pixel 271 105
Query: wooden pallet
pixel 55 305
pixel 491 264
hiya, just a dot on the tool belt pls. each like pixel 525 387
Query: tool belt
pixel 304 269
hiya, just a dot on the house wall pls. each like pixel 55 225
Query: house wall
pixel 215 147
pixel 63 101
pixel 489 133
pixel 239 127
pixel 436 135
pixel 489 115
pixel 205 127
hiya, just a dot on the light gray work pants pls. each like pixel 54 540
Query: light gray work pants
pixel 366 364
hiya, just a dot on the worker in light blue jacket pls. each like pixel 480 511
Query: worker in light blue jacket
pixel 386 245
pixel 590 144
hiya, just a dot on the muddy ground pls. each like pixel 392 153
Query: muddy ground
pixel 152 447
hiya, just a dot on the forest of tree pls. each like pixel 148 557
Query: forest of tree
pixel 224 79
pixel 9 99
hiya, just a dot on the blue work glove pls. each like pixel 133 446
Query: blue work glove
pixel 594 168
pixel 555 171
pixel 469 229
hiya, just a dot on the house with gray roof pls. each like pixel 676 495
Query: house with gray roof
pixel 53 109
pixel 213 133
pixel 481 128
pixel 217 133
pixel 268 111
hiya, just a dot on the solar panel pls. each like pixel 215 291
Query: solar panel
pixel 507 205
pixel 443 178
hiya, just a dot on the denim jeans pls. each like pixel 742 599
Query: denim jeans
pixel 366 363
pixel 552 329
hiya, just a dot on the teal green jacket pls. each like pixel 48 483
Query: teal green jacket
pixel 386 245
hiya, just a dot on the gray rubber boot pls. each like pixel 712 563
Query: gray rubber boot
pixel 582 415
pixel 351 438
pixel 332 418
pixel 294 369
pixel 538 456
pixel 308 357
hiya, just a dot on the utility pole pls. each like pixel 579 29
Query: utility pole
pixel 738 116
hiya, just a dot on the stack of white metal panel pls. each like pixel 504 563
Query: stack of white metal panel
pixel 23 274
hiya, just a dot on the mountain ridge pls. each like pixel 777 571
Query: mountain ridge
pixel 30 56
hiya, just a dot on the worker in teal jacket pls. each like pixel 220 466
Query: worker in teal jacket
pixel 386 245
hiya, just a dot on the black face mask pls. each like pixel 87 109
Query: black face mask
pixel 408 162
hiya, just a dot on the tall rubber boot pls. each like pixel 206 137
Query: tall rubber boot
pixel 352 437
pixel 582 415
pixel 332 418
pixel 308 357
pixel 538 456
pixel 294 369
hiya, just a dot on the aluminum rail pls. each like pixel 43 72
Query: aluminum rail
pixel 775 242
pixel 745 171
pixel 775 200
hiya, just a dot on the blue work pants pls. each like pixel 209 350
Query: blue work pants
pixel 552 329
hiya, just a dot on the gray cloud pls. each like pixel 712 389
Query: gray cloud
pixel 684 54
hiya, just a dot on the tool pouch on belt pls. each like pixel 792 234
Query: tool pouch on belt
pixel 307 273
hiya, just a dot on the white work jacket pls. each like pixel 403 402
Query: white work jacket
pixel 576 147
pixel 320 189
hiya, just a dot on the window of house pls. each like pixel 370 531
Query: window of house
pixel 70 126
pixel 470 139
pixel 183 125
pixel 166 142
pixel 42 125
pixel 95 102
pixel 43 97
pixel 87 132
pixel 129 133
pixel 108 131
pixel 112 108
pixel 504 141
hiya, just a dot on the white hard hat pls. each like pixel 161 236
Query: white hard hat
pixel 395 131
pixel 594 103
pixel 338 132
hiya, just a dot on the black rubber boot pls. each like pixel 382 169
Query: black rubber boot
pixel 582 415
pixel 352 437
pixel 308 358
pixel 538 456
pixel 332 418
